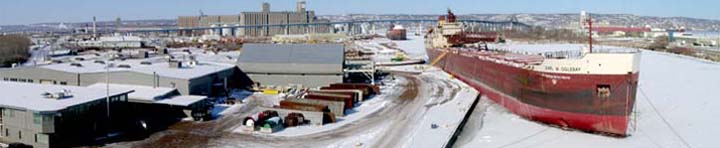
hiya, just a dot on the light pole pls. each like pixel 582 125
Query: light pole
pixel 107 88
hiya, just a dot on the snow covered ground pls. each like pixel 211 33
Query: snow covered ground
pixel 682 89
pixel 445 110
pixel 414 46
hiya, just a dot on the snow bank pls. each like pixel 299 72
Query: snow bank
pixel 444 112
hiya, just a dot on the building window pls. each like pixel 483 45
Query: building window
pixel 7 132
pixel 30 81
pixel 37 118
pixel 14 79
pixel 8 113
pixel 123 98
pixel 20 134
pixel 42 138
pixel 47 119
pixel 5 79
pixel 63 83
pixel 603 91
pixel 23 80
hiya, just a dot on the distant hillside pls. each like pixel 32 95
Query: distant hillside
pixel 561 20
pixel 68 26
pixel 545 20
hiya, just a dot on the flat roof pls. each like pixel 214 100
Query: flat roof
pixel 141 93
pixel 292 53
pixel 157 95
pixel 292 58
pixel 185 100
pixel 29 96
pixel 159 66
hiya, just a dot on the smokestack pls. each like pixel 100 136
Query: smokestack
pixel 301 6
pixel 265 7
pixel 94 27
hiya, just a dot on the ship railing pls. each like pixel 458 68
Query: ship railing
pixel 615 50
pixel 565 54
pixel 560 54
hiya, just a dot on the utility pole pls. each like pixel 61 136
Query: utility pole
pixel 107 90
pixel 590 39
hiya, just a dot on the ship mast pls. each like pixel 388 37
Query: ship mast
pixel 590 39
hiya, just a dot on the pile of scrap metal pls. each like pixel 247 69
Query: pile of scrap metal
pixel 358 53
pixel 291 90
pixel 267 121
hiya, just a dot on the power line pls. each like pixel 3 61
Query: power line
pixel 663 119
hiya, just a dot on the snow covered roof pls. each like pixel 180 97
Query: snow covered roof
pixel 30 96
pixel 159 95
pixel 292 53
pixel 185 100
pixel 156 66
pixel 398 27
pixel 142 93
pixel 292 58
pixel 220 57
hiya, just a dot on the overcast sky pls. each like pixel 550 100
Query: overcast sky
pixel 39 11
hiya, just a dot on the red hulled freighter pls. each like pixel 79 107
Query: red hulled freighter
pixel 594 91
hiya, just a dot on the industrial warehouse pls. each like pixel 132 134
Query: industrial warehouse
pixel 282 64
pixel 190 78
pixel 57 116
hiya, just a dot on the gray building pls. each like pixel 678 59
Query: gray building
pixel 55 115
pixel 160 104
pixel 311 65
pixel 263 17
pixel 189 78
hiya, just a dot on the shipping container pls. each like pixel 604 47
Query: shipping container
pixel 303 106
pixel 348 99
pixel 356 94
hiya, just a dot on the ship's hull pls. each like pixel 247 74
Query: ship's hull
pixel 397 34
pixel 569 100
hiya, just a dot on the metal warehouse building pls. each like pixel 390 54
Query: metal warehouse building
pixel 189 78
pixel 311 65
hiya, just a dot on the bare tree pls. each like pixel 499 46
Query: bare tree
pixel 13 49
